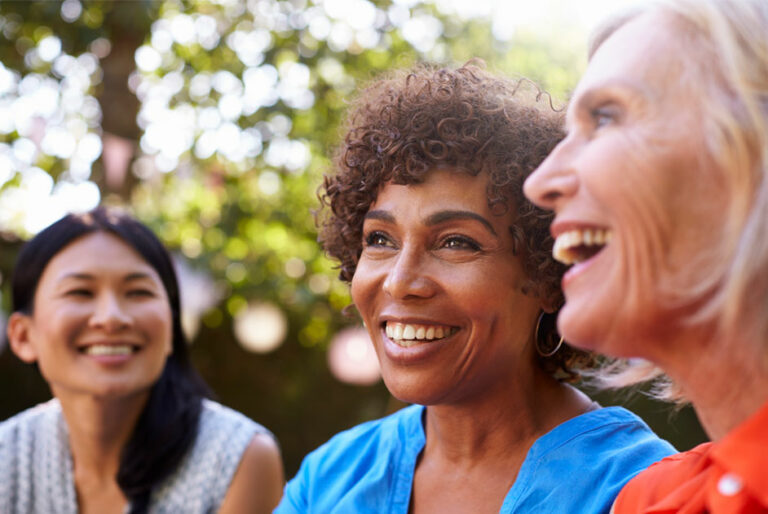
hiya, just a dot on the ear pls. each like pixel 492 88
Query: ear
pixel 19 326
pixel 552 303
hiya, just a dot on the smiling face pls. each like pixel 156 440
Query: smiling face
pixel 639 205
pixel 101 323
pixel 439 288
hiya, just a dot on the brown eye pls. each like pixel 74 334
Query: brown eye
pixel 460 243
pixel 379 239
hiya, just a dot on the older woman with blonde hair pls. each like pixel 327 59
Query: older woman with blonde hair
pixel 667 155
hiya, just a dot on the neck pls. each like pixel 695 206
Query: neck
pixel 98 430
pixel 501 422
pixel 725 380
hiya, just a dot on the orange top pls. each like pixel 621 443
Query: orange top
pixel 726 477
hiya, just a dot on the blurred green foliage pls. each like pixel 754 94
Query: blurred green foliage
pixel 242 211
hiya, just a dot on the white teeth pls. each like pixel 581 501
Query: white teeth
pixel 563 249
pixel 406 334
pixel 105 349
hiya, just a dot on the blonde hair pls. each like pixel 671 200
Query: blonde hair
pixel 731 39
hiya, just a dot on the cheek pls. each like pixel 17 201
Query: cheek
pixel 156 322
pixel 362 289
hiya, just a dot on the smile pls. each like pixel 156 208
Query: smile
pixel 578 245
pixel 109 349
pixel 407 334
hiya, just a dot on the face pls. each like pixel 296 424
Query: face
pixel 101 324
pixel 439 288
pixel 639 205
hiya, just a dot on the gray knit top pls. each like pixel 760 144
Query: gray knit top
pixel 36 474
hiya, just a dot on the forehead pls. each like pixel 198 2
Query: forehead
pixel 647 55
pixel 441 187
pixel 95 254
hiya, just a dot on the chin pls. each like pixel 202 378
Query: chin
pixel 412 391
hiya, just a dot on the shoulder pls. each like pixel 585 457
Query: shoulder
pixel 33 460
pixel 619 442
pixel 357 468
pixel 612 430
pixel 222 422
pixel 662 478
pixel 30 422
pixel 370 438
pixel 589 459
pixel 224 435
pixel 224 438
pixel 258 482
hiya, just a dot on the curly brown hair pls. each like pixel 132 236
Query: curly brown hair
pixel 401 127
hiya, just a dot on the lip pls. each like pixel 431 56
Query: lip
pixel 109 360
pixel 419 352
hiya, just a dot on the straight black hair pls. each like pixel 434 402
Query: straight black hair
pixel 167 426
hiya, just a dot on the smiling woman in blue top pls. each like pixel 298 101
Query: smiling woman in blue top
pixel 451 270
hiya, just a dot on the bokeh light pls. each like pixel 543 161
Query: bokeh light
pixel 351 357
pixel 199 293
pixel 260 327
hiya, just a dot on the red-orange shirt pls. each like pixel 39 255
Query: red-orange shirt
pixel 726 477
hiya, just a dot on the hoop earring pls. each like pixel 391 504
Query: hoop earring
pixel 538 345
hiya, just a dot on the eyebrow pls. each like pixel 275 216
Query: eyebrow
pixel 380 215
pixel 443 216
pixel 138 275
pixel 436 218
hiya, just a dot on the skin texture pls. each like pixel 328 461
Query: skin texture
pixel 98 289
pixel 626 165
pixel 635 161
pixel 435 254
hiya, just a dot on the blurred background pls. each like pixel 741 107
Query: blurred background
pixel 212 121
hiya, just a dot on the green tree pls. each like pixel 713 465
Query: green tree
pixel 213 121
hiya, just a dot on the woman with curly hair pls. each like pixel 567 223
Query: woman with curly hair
pixel 450 269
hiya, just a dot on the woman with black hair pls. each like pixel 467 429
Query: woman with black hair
pixel 96 306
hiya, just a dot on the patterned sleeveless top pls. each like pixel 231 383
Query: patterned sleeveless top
pixel 36 474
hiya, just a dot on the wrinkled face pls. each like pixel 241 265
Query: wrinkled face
pixel 102 321
pixel 639 204
pixel 439 289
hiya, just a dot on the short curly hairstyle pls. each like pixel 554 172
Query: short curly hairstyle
pixel 402 126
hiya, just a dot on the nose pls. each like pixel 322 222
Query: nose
pixel 109 314
pixel 406 279
pixel 554 181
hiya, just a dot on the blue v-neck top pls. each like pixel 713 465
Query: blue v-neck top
pixel 577 467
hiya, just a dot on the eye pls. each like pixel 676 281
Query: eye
pixel 378 239
pixel 140 293
pixel 456 242
pixel 79 292
pixel 602 116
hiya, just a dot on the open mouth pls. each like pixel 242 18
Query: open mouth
pixel 578 245
pixel 109 349
pixel 408 334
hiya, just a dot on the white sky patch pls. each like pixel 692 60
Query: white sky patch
pixel 540 16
